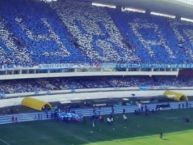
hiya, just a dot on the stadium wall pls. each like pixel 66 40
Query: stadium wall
pixel 51 92
pixel 81 74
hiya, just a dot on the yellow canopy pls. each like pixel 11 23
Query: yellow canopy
pixel 35 104
pixel 175 95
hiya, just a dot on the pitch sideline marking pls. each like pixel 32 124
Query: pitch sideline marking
pixel 3 141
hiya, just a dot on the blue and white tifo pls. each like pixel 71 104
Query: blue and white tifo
pixel 34 33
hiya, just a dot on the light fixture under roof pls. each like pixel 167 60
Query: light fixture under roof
pixel 103 5
pixel 163 15
pixel 186 19
pixel 132 10
pixel 48 1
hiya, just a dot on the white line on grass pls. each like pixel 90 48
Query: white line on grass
pixel 3 141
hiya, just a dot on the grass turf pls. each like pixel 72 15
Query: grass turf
pixel 137 130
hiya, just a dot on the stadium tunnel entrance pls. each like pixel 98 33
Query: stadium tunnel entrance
pixel 175 96
pixel 36 104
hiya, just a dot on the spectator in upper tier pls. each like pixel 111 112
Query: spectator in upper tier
pixel 69 31
pixel 39 85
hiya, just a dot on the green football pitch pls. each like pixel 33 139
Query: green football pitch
pixel 137 130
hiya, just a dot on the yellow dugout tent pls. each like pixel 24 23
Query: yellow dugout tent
pixel 175 95
pixel 35 104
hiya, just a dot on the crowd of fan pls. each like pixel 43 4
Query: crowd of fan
pixel 156 39
pixel 74 31
pixel 39 85
pixel 96 34
pixel 36 38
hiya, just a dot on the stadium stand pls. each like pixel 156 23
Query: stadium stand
pixel 76 32
pixel 95 32
pixel 83 73
pixel 36 38
pixel 38 85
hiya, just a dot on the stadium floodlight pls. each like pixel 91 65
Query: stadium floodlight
pixel 132 10
pixel 186 19
pixel 103 5
pixel 163 15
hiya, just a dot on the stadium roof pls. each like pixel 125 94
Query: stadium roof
pixel 183 8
